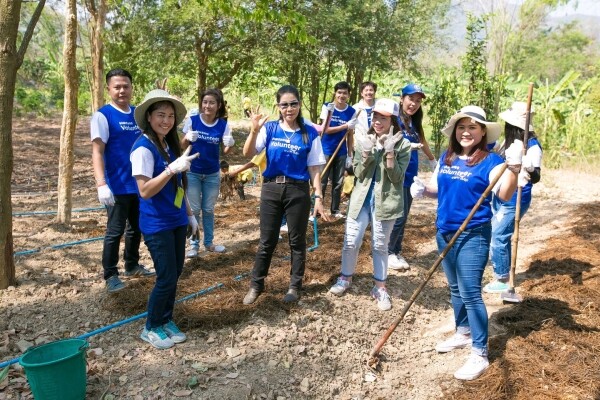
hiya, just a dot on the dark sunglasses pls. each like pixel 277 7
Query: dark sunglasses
pixel 293 104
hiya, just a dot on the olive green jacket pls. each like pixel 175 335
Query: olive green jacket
pixel 389 182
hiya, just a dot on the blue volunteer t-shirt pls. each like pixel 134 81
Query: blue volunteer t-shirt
pixel 413 164
pixel 331 141
pixel 526 191
pixel 286 152
pixel 208 145
pixel 159 213
pixel 459 188
pixel 122 133
pixel 369 111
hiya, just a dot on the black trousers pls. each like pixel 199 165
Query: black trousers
pixel 293 199
pixel 123 217
pixel 336 171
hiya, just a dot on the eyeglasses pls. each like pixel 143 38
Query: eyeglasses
pixel 293 104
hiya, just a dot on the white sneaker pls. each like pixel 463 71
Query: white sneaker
pixel 473 368
pixel 157 337
pixel 340 286
pixel 193 252
pixel 283 229
pixel 456 341
pixel 338 215
pixel 397 262
pixel 380 294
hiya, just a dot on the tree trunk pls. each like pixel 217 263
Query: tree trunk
pixel 69 122
pixel 98 14
pixel 202 57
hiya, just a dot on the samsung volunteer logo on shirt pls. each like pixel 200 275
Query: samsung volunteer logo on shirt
pixel 205 137
pixel 129 126
pixel 291 148
pixel 455 172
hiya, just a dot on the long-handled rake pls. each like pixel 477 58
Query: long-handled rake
pixel 373 360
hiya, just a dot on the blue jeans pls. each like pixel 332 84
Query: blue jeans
pixel 503 226
pixel 167 249
pixel 353 238
pixel 464 265
pixel 123 217
pixel 203 191
pixel 397 236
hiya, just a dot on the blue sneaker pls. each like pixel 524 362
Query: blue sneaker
pixel 496 287
pixel 174 333
pixel 157 337
pixel 140 270
pixel 114 284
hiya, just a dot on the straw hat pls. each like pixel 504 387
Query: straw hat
pixel 516 115
pixel 476 114
pixel 154 96
pixel 386 107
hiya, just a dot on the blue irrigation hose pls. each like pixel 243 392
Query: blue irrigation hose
pixel 316 231
pixel 27 213
pixel 58 246
pixel 128 320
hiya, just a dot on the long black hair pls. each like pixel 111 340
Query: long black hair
pixel 416 119
pixel 172 140
pixel 222 104
pixel 299 120
pixel 512 133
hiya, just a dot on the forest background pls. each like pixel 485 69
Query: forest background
pixel 55 55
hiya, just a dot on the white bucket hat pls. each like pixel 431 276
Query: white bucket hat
pixel 154 96
pixel 516 115
pixel 386 107
pixel 476 114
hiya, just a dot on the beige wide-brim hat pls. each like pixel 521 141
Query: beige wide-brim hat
pixel 154 96
pixel 516 115
pixel 476 114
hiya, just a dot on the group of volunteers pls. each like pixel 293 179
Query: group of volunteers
pixel 157 183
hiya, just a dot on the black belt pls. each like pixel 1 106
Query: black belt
pixel 284 179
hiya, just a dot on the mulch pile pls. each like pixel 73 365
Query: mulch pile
pixel 551 348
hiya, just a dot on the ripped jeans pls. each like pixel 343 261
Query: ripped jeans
pixel 353 238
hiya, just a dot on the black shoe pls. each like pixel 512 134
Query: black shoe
pixel 140 270
pixel 291 296
pixel 240 191
pixel 251 296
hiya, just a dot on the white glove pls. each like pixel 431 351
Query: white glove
pixel 417 189
pixel 193 224
pixel 432 164
pixel 191 136
pixel 366 142
pixel 391 141
pixel 527 163
pixel 415 146
pixel 329 107
pixel 183 163
pixel 105 196
pixel 348 161
pixel 228 141
pixel 352 123
pixel 514 153
pixel 523 178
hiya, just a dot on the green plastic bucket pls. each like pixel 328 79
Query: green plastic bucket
pixel 57 370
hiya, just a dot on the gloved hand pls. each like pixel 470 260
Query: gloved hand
pixel 514 153
pixel 183 163
pixel 191 136
pixel 391 141
pixel 417 189
pixel 330 107
pixel 523 178
pixel 105 196
pixel 193 224
pixel 415 146
pixel 527 163
pixel 228 141
pixel 366 142
pixel 432 164
pixel 352 123
pixel 348 161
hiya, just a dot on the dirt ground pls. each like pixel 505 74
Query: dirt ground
pixel 543 348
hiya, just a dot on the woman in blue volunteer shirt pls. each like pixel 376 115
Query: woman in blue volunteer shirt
pixel 159 170
pixel 380 159
pixel 205 132
pixel 463 174
pixel 294 156
pixel 411 122
pixel 503 222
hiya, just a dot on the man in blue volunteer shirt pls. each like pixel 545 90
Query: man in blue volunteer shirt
pixel 113 131
pixel 342 119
